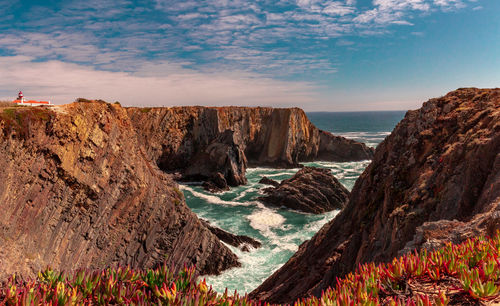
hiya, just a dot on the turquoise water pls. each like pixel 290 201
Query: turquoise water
pixel 281 231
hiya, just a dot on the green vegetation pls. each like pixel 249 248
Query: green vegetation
pixel 468 273
pixel 145 109
pixel 83 100
pixel 21 119
pixel 6 104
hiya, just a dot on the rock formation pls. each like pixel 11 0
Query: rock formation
pixel 267 181
pixel 240 241
pixel 200 141
pixel 311 190
pixel 436 178
pixel 77 189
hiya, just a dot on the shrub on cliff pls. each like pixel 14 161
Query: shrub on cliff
pixel 468 273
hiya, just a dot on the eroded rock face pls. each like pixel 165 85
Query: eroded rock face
pixel 77 189
pixel 196 141
pixel 240 241
pixel 441 163
pixel 311 190
pixel 267 181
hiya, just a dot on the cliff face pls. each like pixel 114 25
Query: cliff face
pixel 78 190
pixel 436 178
pixel 185 139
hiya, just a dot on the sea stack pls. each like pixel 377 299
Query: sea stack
pixel 310 190
pixel 199 142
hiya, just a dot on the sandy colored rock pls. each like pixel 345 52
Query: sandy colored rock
pixel 198 141
pixel 77 189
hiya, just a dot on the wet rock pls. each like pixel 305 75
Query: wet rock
pixel 241 241
pixel 217 183
pixel 267 181
pixel 435 179
pixel 311 190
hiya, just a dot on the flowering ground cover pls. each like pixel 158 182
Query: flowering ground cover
pixel 468 273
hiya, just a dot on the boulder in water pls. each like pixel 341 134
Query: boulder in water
pixel 312 190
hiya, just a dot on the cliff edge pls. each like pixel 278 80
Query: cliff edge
pixel 435 179
pixel 200 141
pixel 78 190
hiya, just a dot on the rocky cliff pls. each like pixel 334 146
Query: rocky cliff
pixel 77 189
pixel 201 141
pixel 436 178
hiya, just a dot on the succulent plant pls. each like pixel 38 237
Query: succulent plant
pixel 466 272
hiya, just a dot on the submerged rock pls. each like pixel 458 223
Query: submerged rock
pixel 435 179
pixel 241 241
pixel 312 190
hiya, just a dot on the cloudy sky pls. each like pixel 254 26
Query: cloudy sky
pixel 332 55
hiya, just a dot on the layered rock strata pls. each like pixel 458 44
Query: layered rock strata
pixel 435 179
pixel 267 181
pixel 311 190
pixel 240 241
pixel 77 189
pixel 197 142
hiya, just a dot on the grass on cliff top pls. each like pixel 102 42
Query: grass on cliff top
pixel 465 274
pixel 20 118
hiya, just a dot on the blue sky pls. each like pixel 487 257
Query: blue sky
pixel 316 54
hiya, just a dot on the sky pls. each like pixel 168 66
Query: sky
pixel 320 55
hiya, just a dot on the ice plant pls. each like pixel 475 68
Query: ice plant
pixel 469 271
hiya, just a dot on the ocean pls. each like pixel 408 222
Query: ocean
pixel 281 231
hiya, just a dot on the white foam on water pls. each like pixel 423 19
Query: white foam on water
pixel 213 199
pixel 265 219
pixel 244 193
pixel 254 270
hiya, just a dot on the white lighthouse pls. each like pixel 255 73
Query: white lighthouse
pixel 22 101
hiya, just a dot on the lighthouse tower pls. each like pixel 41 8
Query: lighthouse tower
pixel 20 97
pixel 22 101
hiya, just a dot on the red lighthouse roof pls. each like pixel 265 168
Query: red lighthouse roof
pixel 22 101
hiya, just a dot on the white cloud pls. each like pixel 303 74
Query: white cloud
pixel 63 82
pixel 402 22
pixel 337 8
pixel 274 38
pixel 391 11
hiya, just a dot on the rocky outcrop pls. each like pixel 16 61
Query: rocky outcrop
pixel 221 159
pixel 267 181
pixel 196 141
pixel 436 178
pixel 340 149
pixel 311 190
pixel 240 241
pixel 77 189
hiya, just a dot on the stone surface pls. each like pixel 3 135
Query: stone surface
pixel 216 183
pixel 311 190
pixel 240 241
pixel 77 189
pixel 198 141
pixel 267 181
pixel 436 178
